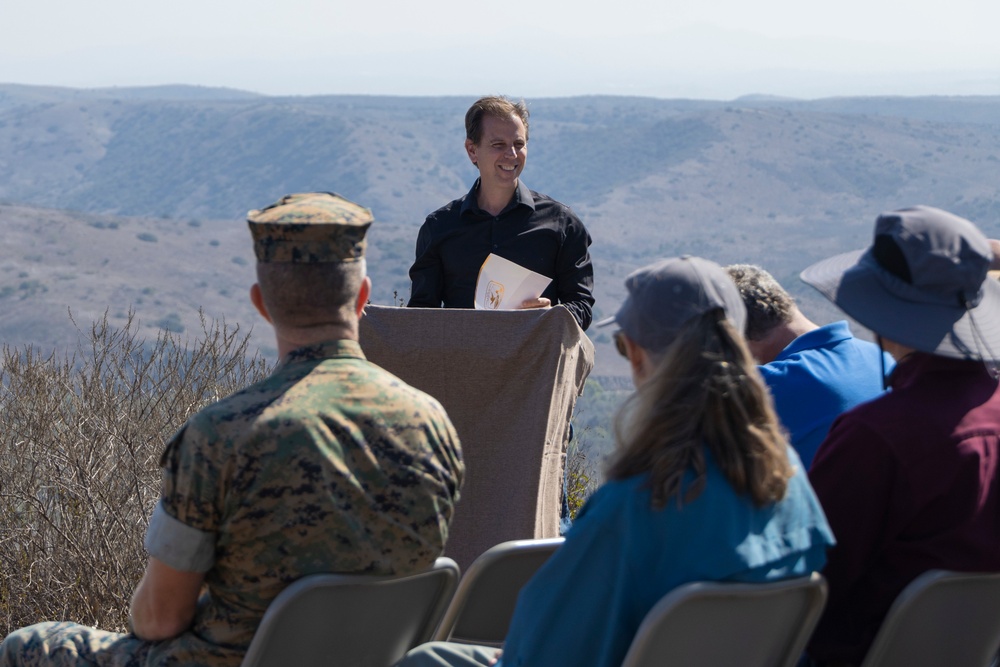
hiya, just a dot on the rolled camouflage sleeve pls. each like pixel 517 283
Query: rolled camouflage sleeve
pixel 178 545
pixel 184 524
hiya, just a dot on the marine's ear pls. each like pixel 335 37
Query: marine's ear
pixel 257 299
pixel 363 294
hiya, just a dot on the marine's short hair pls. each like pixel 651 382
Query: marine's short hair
pixel 310 295
pixel 310 250
pixel 768 304
pixel 498 106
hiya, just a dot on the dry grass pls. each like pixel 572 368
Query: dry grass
pixel 80 441
pixel 582 479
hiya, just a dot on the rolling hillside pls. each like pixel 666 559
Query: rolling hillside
pixel 119 197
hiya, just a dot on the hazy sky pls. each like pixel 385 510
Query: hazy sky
pixel 717 49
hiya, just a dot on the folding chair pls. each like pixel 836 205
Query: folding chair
pixel 712 624
pixel 349 619
pixel 941 618
pixel 481 610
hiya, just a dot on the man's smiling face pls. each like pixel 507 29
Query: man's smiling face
pixel 501 152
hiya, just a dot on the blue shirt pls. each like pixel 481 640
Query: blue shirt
pixel 621 556
pixel 820 375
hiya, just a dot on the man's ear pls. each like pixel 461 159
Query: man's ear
pixel 470 149
pixel 257 299
pixel 363 294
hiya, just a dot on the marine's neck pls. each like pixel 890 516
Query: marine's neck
pixel 292 338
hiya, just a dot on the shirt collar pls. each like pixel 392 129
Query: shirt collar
pixel 522 197
pixel 325 350
pixel 917 364
pixel 824 335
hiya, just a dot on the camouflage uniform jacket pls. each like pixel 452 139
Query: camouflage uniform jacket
pixel 331 464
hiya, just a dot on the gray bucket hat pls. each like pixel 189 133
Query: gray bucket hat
pixel 923 283
pixel 662 297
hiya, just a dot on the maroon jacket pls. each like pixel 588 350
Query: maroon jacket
pixel 909 482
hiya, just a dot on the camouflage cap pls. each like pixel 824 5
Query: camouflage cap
pixel 310 228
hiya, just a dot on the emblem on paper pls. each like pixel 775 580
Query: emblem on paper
pixel 494 295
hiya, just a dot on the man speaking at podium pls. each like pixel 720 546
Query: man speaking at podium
pixel 500 215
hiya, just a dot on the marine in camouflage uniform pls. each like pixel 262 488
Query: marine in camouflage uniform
pixel 331 464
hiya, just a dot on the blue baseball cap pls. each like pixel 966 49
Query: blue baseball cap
pixel 664 296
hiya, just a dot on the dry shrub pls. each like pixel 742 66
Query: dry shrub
pixel 80 441
pixel 582 479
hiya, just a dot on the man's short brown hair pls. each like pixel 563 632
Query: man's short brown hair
pixel 498 106
pixel 768 304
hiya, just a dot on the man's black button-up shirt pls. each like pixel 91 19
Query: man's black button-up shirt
pixel 534 231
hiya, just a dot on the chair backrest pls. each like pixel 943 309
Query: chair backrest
pixel 481 610
pixel 714 624
pixel 941 618
pixel 349 619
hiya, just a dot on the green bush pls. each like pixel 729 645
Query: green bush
pixel 80 440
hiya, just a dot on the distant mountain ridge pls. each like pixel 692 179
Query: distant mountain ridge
pixel 172 93
pixel 772 181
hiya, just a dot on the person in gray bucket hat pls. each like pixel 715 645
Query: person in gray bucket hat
pixel 909 481
pixel 922 284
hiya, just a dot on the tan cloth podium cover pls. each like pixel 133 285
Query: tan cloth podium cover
pixel 509 381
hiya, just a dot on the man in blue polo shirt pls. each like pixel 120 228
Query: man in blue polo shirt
pixel 815 373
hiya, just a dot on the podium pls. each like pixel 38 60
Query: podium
pixel 509 381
